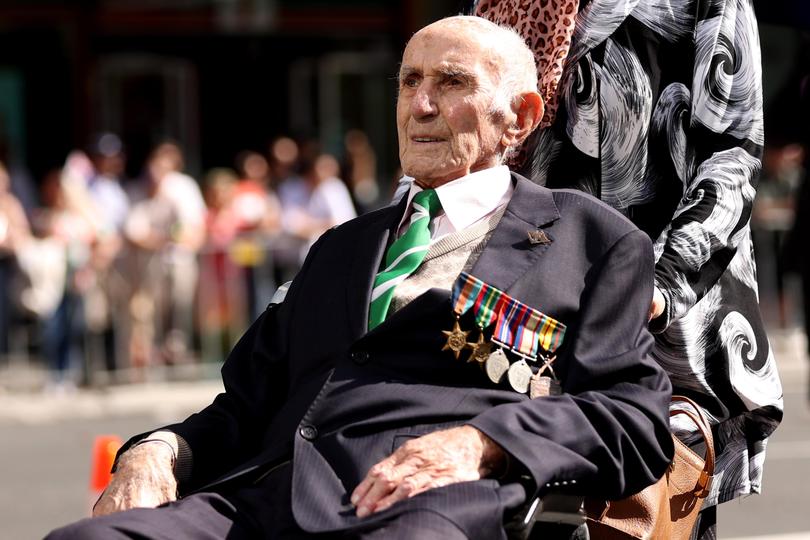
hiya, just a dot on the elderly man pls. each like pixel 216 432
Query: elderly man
pixel 406 385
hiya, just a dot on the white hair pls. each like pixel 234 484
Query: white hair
pixel 517 70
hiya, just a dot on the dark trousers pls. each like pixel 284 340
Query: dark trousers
pixel 262 510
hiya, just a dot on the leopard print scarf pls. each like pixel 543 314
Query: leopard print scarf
pixel 546 25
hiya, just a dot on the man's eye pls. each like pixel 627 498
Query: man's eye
pixel 410 82
pixel 455 81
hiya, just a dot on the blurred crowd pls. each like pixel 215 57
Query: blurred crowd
pixel 108 276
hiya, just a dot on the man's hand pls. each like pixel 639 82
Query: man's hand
pixel 434 460
pixel 144 479
pixel 658 304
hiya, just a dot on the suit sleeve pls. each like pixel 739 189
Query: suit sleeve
pixel 229 430
pixel 723 150
pixel 608 434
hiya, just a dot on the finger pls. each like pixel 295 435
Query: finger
pixel 384 480
pixel 361 489
pixel 381 487
pixel 408 487
pixel 374 472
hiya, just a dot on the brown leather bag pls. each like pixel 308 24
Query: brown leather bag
pixel 668 509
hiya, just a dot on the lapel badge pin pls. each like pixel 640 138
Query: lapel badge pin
pixel 539 236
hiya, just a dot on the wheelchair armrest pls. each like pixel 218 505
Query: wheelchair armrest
pixel 562 515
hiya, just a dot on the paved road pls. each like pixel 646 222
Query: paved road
pixel 784 505
pixel 782 511
pixel 45 447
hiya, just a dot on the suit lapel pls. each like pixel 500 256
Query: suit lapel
pixel 369 249
pixel 509 253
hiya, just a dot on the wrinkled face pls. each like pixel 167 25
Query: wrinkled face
pixel 444 119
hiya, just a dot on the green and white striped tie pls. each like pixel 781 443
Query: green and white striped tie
pixel 404 255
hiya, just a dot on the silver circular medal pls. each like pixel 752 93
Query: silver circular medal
pixel 519 376
pixel 496 366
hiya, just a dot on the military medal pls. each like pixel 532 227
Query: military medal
pixel 543 385
pixel 486 305
pixel 456 339
pixel 519 376
pixel 496 366
pixel 520 329
pixel 526 330
pixel 481 349
pixel 470 292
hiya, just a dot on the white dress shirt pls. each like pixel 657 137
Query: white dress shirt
pixel 465 201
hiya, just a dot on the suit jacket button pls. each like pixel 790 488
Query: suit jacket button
pixel 308 432
pixel 359 357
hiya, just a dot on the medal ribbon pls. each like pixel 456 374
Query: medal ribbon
pixel 469 292
pixel 487 305
pixel 519 326
pixel 526 333
pixel 524 328
pixel 551 333
pixel 503 330
pixel 465 291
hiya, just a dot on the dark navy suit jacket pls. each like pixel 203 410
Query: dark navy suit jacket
pixel 308 382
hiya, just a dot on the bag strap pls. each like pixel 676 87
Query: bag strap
pixel 699 419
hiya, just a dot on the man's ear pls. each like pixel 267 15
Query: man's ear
pixel 528 108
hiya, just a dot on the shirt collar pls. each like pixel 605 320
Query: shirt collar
pixel 467 199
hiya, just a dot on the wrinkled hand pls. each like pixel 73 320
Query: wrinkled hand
pixel 144 479
pixel 658 304
pixel 434 460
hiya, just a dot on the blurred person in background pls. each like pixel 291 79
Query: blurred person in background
pixel 284 167
pixel 258 213
pixel 329 201
pixel 774 214
pixel 111 206
pixel 293 194
pixel 166 165
pixel 61 273
pixel 14 233
pixel 107 155
pixel 254 200
pixel 221 294
pixel 361 170
pixel 222 222
pixel 20 181
pixel 167 228
pixel 794 165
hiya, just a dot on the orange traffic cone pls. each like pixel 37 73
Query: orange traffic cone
pixel 104 449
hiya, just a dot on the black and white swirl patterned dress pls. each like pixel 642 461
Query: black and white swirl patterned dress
pixel 660 116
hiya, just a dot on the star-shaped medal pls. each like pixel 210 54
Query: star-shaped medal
pixel 480 350
pixel 456 339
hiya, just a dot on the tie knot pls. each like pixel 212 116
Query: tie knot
pixel 428 201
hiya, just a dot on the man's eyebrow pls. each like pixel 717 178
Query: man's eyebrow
pixel 404 71
pixel 444 70
pixel 456 70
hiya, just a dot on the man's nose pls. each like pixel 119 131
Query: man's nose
pixel 423 104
